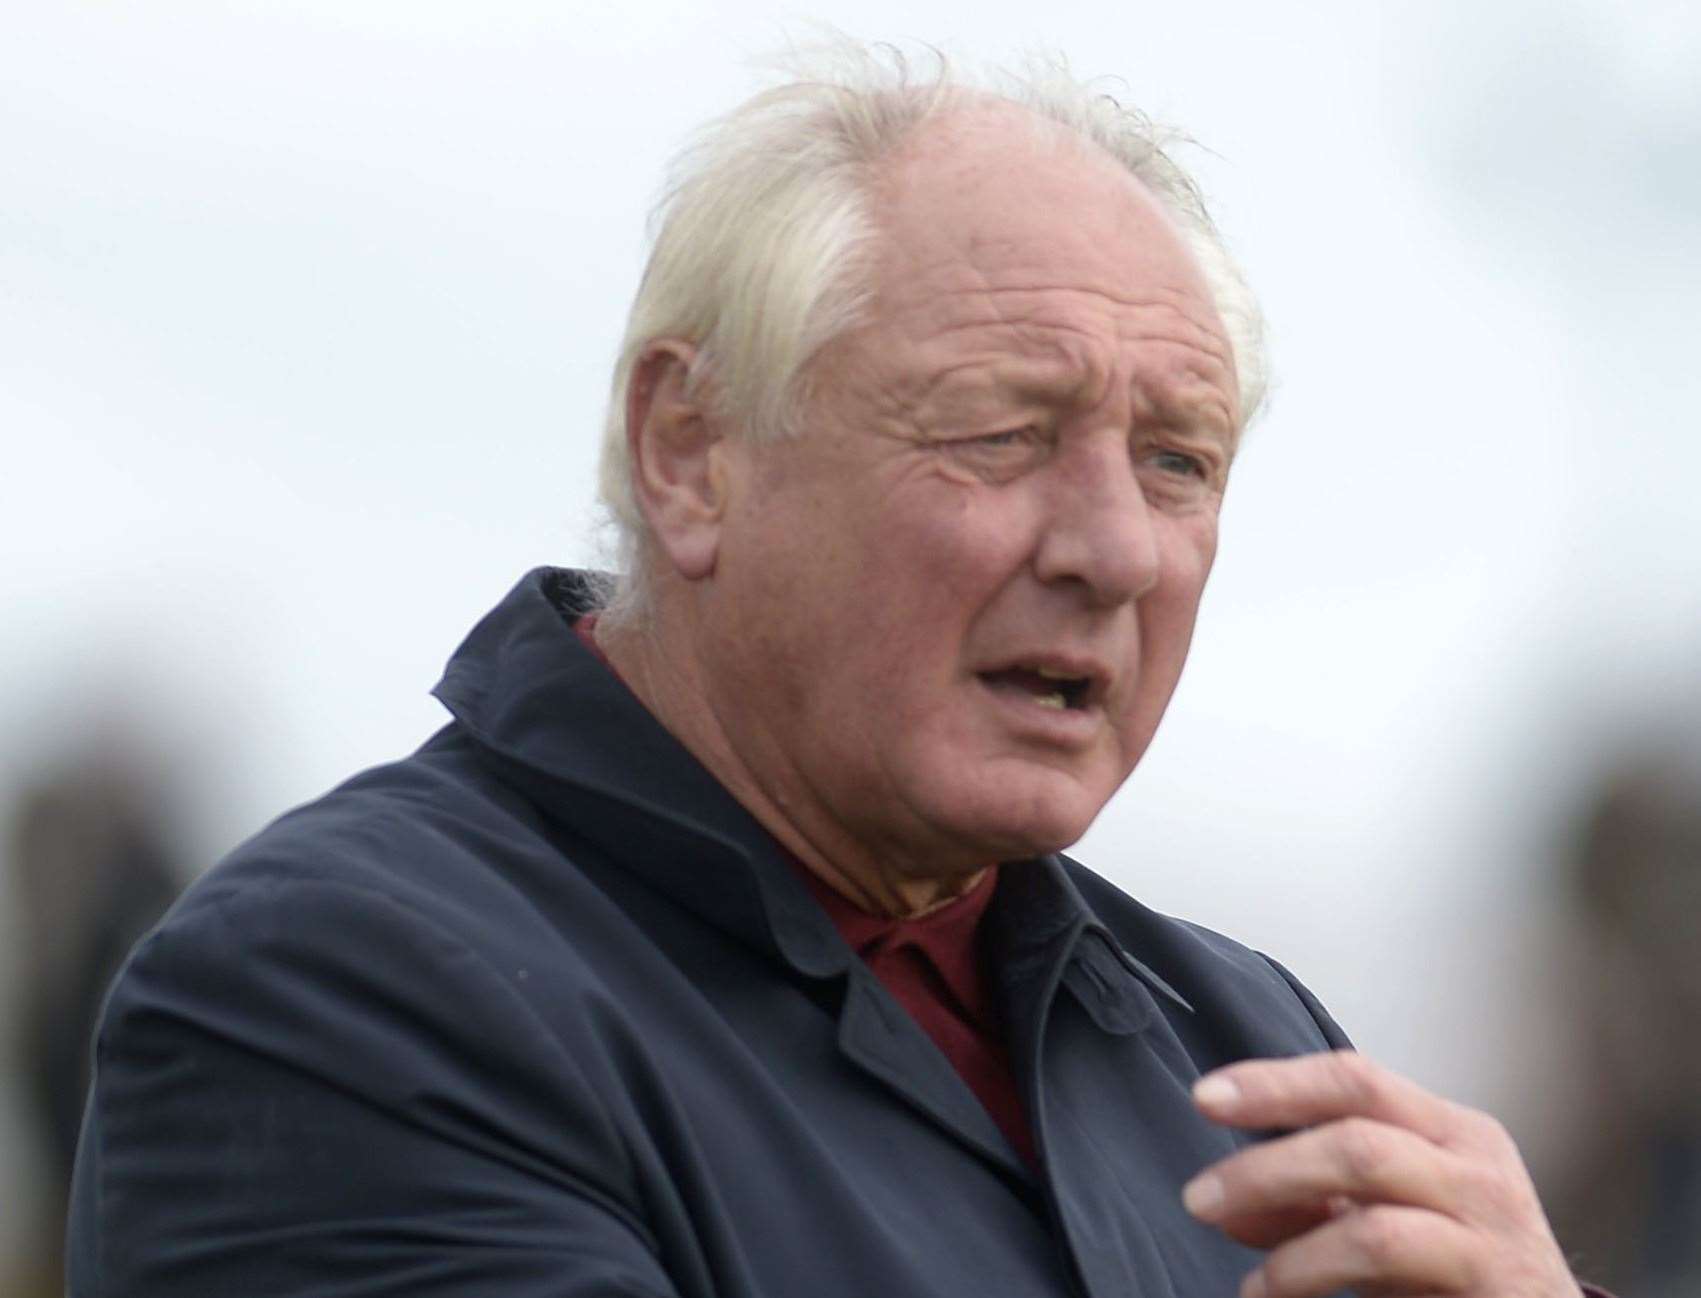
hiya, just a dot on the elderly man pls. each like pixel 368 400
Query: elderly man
pixel 720 944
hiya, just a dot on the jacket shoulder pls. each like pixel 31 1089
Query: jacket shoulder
pixel 300 1049
pixel 433 837
pixel 408 912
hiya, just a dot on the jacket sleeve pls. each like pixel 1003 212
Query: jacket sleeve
pixel 306 1088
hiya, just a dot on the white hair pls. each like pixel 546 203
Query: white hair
pixel 764 240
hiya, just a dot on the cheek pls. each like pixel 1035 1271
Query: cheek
pixel 939 574
pixel 1166 618
pixel 1190 548
pixel 925 580
pixel 954 550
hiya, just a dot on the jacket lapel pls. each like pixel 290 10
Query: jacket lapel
pixel 884 1041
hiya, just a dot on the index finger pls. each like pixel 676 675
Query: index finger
pixel 1308 1089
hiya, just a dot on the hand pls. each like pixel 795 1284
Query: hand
pixel 1386 1188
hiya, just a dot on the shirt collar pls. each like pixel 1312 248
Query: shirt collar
pixel 946 938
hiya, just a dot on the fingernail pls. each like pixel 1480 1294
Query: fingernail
pixel 1253 1285
pixel 1203 1195
pixel 1215 1091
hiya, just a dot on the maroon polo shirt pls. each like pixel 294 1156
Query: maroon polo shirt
pixel 932 967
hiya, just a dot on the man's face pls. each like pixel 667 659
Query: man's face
pixel 952 612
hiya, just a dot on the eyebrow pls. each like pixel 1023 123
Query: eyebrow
pixel 1193 410
pixel 1188 402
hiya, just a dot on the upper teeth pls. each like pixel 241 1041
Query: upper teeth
pixel 1052 674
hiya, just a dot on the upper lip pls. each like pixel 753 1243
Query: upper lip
pixel 1082 667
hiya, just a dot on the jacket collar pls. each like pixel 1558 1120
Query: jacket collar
pixel 1039 914
pixel 562 727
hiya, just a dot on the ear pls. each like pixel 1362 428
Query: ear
pixel 678 457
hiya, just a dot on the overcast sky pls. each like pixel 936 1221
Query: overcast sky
pixel 306 313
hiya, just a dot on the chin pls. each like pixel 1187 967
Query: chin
pixel 1011 820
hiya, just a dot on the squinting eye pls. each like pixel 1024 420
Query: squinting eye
pixel 1179 462
pixel 1003 446
pixel 1000 456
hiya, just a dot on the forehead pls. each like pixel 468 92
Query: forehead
pixel 1012 254
pixel 999 175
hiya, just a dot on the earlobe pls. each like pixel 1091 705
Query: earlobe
pixel 674 441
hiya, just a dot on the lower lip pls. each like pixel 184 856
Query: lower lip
pixel 1063 727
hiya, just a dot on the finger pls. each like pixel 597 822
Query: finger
pixel 1310 1089
pixel 1269 1229
pixel 1355 1158
pixel 1384 1249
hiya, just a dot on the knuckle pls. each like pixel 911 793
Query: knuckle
pixel 1381 1237
pixel 1358 1078
pixel 1481 1183
pixel 1483 1131
pixel 1364 1149
pixel 1500 1191
pixel 1492 1132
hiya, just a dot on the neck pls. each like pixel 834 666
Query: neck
pixel 657 661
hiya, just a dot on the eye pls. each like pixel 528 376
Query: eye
pixel 1009 437
pixel 1181 464
pixel 1000 455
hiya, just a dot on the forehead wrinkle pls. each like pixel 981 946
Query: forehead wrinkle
pixel 1048 362
pixel 1170 360
pixel 1027 377
pixel 1197 409
pixel 1186 366
pixel 1202 327
pixel 1185 399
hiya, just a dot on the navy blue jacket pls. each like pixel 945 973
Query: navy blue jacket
pixel 540 1010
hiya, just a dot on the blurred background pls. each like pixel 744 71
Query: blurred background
pixel 306 315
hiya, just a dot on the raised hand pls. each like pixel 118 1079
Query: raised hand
pixel 1382 1187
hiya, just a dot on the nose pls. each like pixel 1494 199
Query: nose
pixel 1100 532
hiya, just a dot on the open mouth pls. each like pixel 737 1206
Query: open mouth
pixel 1045 686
